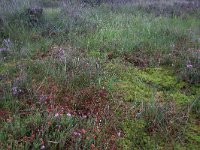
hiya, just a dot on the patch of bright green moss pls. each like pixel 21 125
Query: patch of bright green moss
pixel 180 98
pixel 160 77
pixel 192 135
pixel 135 136
pixel 128 83
pixel 138 85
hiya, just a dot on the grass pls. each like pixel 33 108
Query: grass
pixel 108 76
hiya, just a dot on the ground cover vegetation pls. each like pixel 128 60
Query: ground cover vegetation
pixel 99 74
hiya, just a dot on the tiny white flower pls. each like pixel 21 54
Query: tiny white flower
pixel 84 116
pixel 69 115
pixel 119 133
pixel 77 133
pixel 57 114
pixel 189 66
pixel 42 147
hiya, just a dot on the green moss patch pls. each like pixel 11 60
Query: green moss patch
pixel 139 85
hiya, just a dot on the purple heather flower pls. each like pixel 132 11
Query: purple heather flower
pixel 57 115
pixel 42 98
pixel 69 115
pixel 7 42
pixel 3 49
pixel 77 133
pixel 189 66
pixel 14 90
pixel 42 147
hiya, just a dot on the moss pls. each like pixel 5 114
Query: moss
pixel 180 98
pixel 134 91
pixel 192 135
pixel 195 90
pixel 138 85
pixel 128 83
pixel 135 136
pixel 161 77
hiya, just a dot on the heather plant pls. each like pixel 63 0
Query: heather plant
pixel 190 68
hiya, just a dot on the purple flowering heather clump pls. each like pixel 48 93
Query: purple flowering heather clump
pixel 3 49
pixel 16 91
pixel 189 66
pixel 7 43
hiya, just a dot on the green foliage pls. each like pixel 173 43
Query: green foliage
pixel 128 83
pixel 135 136
pixel 189 66
pixel 181 98
pixel 191 136
pixel 159 77
pixel 138 85
pixel 22 129
pixel 138 31
pixel 56 74
pixel 196 107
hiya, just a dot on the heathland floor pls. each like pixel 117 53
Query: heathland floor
pixel 111 76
